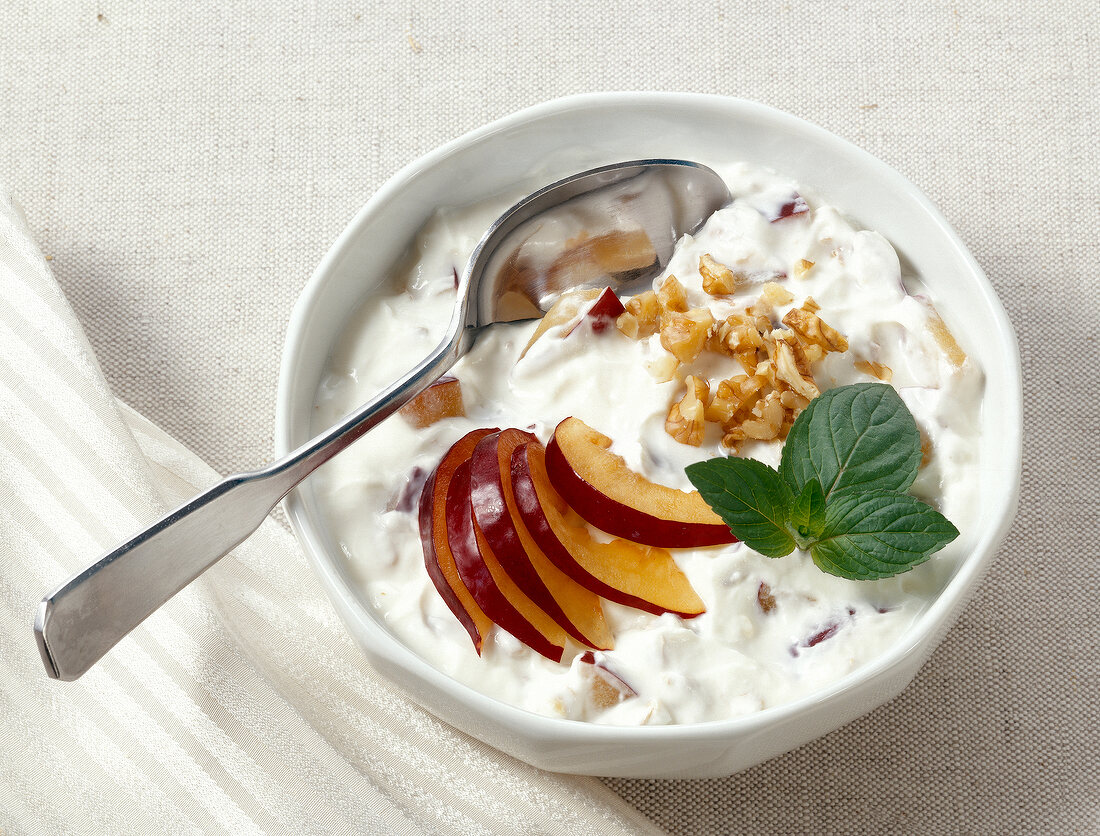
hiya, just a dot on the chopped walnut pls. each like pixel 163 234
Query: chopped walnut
pixel 776 294
pixel 735 334
pixel 718 279
pixel 726 401
pixel 672 296
pixel 664 368
pixel 685 334
pixel 798 350
pixel 793 402
pixel 761 315
pixel 882 372
pixel 686 420
pixel 813 353
pixel 812 329
pixel 778 382
pixel 765 372
pixel 749 360
pixel 765 598
pixel 767 420
pixel 628 324
pixel 646 308
pixel 734 397
pixel 791 367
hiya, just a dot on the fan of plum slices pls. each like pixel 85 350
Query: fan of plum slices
pixel 503 524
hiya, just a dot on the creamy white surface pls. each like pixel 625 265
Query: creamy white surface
pixel 734 659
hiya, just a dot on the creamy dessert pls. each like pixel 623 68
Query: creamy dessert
pixel 776 299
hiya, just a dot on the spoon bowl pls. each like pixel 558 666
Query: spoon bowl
pixel 528 257
pixel 614 226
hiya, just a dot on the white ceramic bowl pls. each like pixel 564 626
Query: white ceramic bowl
pixel 569 135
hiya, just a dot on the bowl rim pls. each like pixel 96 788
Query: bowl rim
pixel 936 617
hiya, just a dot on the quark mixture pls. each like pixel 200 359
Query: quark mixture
pixel 774 630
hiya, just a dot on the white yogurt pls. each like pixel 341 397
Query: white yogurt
pixel 735 658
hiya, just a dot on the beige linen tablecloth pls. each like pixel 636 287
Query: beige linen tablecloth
pixel 183 168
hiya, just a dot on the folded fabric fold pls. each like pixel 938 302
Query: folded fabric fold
pixel 242 705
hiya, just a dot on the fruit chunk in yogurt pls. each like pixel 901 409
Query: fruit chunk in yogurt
pixel 772 630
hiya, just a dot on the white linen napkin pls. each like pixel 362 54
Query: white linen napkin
pixel 241 706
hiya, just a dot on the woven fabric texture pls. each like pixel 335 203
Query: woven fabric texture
pixel 185 166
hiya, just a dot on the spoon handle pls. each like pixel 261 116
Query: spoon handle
pixel 92 611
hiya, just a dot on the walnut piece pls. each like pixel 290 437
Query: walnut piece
pixel 778 382
pixel 882 372
pixel 737 336
pixel 686 421
pixel 629 325
pixel 802 267
pixel 734 397
pixel 793 402
pixel 775 294
pixel 812 329
pixel 765 598
pixel 718 279
pixel 767 419
pixel 792 368
pixel 672 296
pixel 685 334
pixel 664 368
pixel 646 308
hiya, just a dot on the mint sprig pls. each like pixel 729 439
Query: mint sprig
pixel 751 499
pixel 840 491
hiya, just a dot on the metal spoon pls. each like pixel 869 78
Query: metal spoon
pixel 616 225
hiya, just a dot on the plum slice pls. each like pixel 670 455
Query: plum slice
pixel 607 688
pixel 621 571
pixel 601 307
pixel 443 399
pixel 792 206
pixel 602 312
pixel 600 487
pixel 481 572
pixel 574 608
pixel 438 558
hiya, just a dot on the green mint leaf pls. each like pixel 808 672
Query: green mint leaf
pixel 751 498
pixel 878 534
pixel 859 436
pixel 807 518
